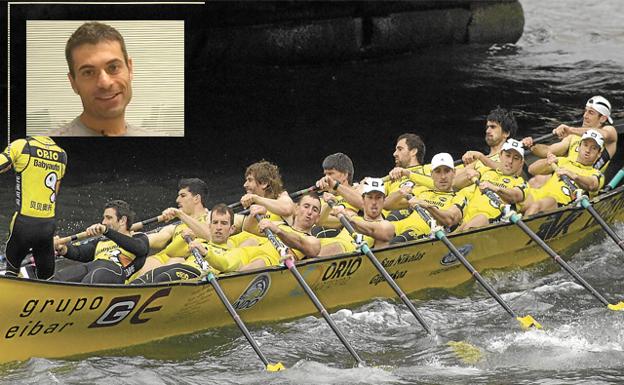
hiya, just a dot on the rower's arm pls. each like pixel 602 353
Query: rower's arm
pixel 282 206
pixel 310 246
pixel 589 183
pixel 160 239
pixel 420 179
pixel 137 244
pixel 201 230
pixel 540 167
pixel 395 201
pixel 82 253
pixel 449 217
pixel 381 230
pixel 351 194
pixel 250 225
pixel 609 133
pixel 509 195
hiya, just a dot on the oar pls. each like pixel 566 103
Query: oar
pixel 615 181
pixel 582 199
pixel 366 250
pixel 210 277
pixel 289 262
pixel 136 226
pixel 515 219
pixel 294 195
pixel 526 322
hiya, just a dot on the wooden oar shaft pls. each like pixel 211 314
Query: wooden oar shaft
pixel 384 273
pixel 442 237
pixel 515 219
pixel 239 322
pixel 290 264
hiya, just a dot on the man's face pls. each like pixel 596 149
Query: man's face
pixel 220 227
pixel 341 177
pixel 110 220
pixel 102 79
pixel 589 151
pixel 511 162
pixel 307 212
pixel 252 186
pixel 373 203
pixel 592 118
pixel 186 201
pixel 494 134
pixel 443 178
pixel 403 155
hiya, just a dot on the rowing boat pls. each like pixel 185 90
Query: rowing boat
pixel 57 319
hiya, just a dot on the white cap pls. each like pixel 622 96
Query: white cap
pixel 373 184
pixel 442 159
pixel 516 145
pixel 595 135
pixel 601 105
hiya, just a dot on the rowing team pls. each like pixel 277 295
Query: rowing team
pixel 383 210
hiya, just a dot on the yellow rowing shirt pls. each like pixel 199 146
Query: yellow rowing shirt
pixel 443 200
pixel 558 189
pixel 479 203
pixel 422 170
pixel 39 165
pixel 177 247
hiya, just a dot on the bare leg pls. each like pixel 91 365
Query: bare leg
pixel 255 264
pixel 478 221
pixel 150 264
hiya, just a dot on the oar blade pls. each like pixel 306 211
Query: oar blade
pixel 527 322
pixel 277 367
pixel 616 307
pixel 466 352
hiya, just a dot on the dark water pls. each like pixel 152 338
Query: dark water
pixel 295 116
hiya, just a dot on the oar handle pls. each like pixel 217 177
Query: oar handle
pixel 139 225
pixel 199 259
pixel 294 195
pixel 275 241
pixel 83 235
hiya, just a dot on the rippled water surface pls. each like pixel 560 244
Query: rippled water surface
pixel 570 51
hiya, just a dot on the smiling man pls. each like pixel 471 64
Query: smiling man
pixel 100 72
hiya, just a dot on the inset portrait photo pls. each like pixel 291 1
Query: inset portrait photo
pixel 105 78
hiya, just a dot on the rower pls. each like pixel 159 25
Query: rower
pixel 506 182
pixel 337 185
pixel 409 170
pixel 500 125
pixel 377 231
pixel 263 186
pixel 444 205
pixel 113 258
pixel 192 193
pixel 220 228
pixel 597 116
pixel 581 174
pixel 296 236
pixel 39 166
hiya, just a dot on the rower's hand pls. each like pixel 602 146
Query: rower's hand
pixel 471 173
pixel 267 224
pixel 405 190
pixel 551 159
pixel 96 229
pixel 562 131
pixel 562 171
pixel 398 173
pixel 418 202
pixel 487 185
pixel 170 213
pixel 257 210
pixel 248 200
pixel 199 246
pixel 338 210
pixel 326 183
pixel 328 197
pixel 471 157
pixel 188 233
pixel 527 142
pixel 60 248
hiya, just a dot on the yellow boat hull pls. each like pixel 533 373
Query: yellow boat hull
pixel 53 319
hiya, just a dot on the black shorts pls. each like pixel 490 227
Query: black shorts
pixel 168 273
pixel 36 234
pixel 96 271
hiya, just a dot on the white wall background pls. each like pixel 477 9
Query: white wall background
pixel 157 50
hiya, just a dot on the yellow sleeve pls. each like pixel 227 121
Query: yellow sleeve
pixel 421 180
pixel 11 153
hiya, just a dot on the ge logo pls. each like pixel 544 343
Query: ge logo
pixel 50 182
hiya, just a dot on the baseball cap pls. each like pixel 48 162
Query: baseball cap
pixel 601 105
pixel 442 159
pixel 595 135
pixel 373 184
pixel 516 145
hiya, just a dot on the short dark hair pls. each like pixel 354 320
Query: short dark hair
pixel 414 141
pixel 197 187
pixel 340 162
pixel 222 208
pixel 92 33
pixel 506 120
pixel 122 209
pixel 267 172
